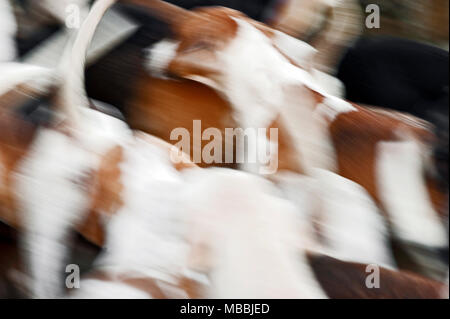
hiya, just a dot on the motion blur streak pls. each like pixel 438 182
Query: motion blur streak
pixel 90 177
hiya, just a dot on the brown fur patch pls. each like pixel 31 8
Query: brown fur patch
pixel 355 136
pixel 162 105
pixel 154 287
pixel 106 195
pixel 288 158
pixel 16 136
pixel 211 24
pixel 343 280
pixel 209 30
pixel 438 197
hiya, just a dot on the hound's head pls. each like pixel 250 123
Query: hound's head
pixel 218 45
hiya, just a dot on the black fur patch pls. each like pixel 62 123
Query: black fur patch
pixel 37 111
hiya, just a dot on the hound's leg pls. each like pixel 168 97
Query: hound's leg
pixel 402 190
pixel 52 198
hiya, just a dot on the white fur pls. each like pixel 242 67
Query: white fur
pixel 350 222
pixel 253 239
pixel 13 74
pixel 309 131
pixel 99 289
pixel 349 219
pixel 255 73
pixel 146 236
pixel 51 201
pixel 99 132
pixel 8 29
pixel 160 56
pixel 72 65
pixel 403 193
pixel 331 107
pixel 333 86
pixel 300 52
pixel 261 84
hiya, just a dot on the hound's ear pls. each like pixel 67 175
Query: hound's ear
pixel 297 51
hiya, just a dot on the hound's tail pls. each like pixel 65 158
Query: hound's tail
pixel 72 91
